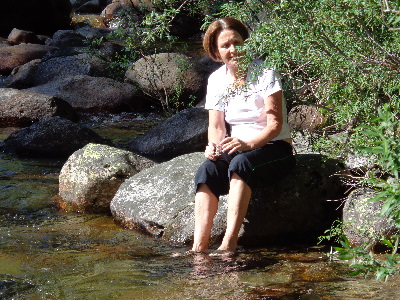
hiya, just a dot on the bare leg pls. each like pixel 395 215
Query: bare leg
pixel 239 198
pixel 206 205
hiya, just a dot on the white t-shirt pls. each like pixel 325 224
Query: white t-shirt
pixel 244 107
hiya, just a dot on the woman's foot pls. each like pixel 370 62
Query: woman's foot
pixel 222 253
pixel 228 246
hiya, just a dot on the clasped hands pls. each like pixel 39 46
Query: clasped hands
pixel 230 144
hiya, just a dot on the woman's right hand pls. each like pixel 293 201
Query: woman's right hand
pixel 212 151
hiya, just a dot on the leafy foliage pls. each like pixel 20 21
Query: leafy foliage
pixel 344 57
pixel 383 143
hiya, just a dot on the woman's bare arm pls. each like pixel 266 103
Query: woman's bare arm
pixel 216 132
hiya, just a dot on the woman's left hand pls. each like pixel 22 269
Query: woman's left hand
pixel 233 144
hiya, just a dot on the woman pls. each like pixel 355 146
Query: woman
pixel 258 149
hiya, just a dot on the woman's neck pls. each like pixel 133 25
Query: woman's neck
pixel 236 76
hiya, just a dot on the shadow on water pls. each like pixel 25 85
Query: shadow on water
pixel 50 254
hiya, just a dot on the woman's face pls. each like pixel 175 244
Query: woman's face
pixel 227 42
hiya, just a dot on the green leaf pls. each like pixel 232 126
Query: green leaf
pixel 355 273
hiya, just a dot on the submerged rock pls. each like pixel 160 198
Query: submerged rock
pixel 21 108
pixel 92 175
pixel 160 202
pixel 50 137
pixel 186 132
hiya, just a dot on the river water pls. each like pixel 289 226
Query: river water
pixel 50 254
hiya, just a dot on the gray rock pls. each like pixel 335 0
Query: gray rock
pixel 362 222
pixel 92 175
pixel 153 197
pixel 159 75
pixel 66 38
pixel 58 68
pixel 21 108
pixel 94 94
pixel 159 201
pixel 93 33
pixel 186 132
pixel 50 137
pixel 23 77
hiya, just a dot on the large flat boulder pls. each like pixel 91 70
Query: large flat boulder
pixel 160 202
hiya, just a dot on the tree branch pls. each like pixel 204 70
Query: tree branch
pixel 178 11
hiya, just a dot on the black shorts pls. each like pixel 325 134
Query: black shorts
pixel 256 167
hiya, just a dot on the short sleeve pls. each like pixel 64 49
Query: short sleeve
pixel 270 82
pixel 215 92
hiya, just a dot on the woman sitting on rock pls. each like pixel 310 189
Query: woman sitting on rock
pixel 258 149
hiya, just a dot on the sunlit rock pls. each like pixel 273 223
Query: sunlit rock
pixel 305 117
pixel 169 75
pixel 92 175
pixel 159 201
pixel 363 223
pixel 152 198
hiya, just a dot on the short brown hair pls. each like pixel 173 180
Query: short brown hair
pixel 210 37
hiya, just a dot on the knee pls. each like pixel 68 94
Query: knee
pixel 239 165
pixel 207 169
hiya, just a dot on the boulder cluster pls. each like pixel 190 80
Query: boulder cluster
pixel 50 77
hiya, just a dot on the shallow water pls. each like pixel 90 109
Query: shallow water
pixel 50 254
